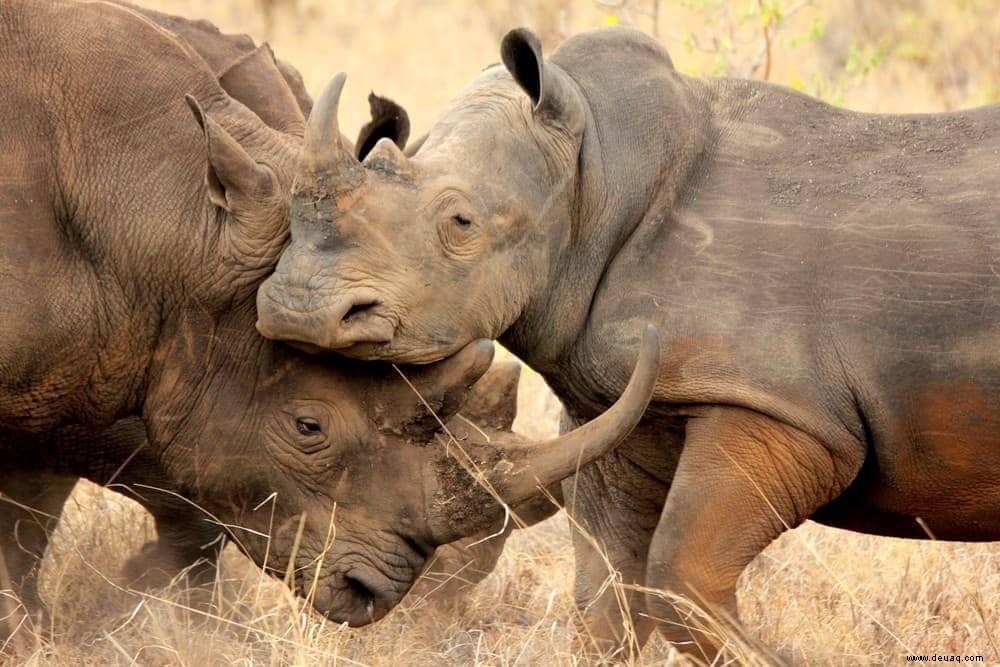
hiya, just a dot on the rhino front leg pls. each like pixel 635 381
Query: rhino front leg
pixel 743 478
pixel 30 505
pixel 617 502
pixel 186 544
pixel 180 548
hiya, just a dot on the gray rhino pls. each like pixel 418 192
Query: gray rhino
pixel 825 282
pixel 133 239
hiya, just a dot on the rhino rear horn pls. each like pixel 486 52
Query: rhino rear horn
pixel 440 390
pixel 552 93
pixel 233 177
pixel 493 400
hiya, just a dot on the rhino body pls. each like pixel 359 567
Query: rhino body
pixel 133 238
pixel 825 282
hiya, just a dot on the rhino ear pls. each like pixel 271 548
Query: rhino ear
pixel 446 385
pixel 550 91
pixel 389 120
pixel 255 80
pixel 521 52
pixel 233 177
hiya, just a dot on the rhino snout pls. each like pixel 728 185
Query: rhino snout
pixel 344 320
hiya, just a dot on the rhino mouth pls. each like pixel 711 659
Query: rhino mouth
pixel 361 590
pixel 360 596
pixel 401 350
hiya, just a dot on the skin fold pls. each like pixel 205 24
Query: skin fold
pixel 823 280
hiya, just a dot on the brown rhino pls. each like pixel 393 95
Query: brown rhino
pixel 826 283
pixel 247 72
pixel 132 243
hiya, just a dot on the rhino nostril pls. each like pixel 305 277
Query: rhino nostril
pixel 418 547
pixel 361 591
pixel 357 310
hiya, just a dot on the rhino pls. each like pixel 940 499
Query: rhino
pixel 825 283
pixel 139 214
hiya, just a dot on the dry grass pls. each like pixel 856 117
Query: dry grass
pixel 817 595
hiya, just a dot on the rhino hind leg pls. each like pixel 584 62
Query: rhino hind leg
pixel 30 505
pixel 742 480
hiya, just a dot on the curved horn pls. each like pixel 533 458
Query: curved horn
pixel 516 472
pixel 524 469
pixel 326 155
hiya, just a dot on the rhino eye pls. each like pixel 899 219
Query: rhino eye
pixel 308 426
pixel 461 221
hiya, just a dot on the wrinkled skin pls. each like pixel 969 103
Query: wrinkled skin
pixel 134 238
pixel 825 281
pixel 245 71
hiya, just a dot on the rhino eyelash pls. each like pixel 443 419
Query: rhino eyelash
pixel 461 221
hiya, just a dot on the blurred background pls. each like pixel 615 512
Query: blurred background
pixel 871 55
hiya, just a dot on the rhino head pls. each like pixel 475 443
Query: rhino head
pixel 332 473
pixel 338 475
pixel 410 258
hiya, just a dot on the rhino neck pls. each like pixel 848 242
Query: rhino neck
pixel 631 166
pixel 203 356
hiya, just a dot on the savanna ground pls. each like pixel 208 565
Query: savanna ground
pixel 817 595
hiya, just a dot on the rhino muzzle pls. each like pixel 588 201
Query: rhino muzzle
pixel 348 319
pixel 358 597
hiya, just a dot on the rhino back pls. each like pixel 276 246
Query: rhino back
pixel 86 156
pixel 222 52
pixel 834 269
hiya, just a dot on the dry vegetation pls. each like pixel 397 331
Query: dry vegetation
pixel 817 595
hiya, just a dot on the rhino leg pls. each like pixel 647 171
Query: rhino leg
pixel 30 505
pixel 123 462
pixel 617 501
pixel 186 545
pixel 743 478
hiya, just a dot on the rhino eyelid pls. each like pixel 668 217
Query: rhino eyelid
pixel 308 426
pixel 450 198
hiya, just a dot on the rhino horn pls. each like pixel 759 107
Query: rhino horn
pixel 327 161
pixel 516 473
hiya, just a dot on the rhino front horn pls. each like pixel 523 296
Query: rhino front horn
pixel 516 473
pixel 327 161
